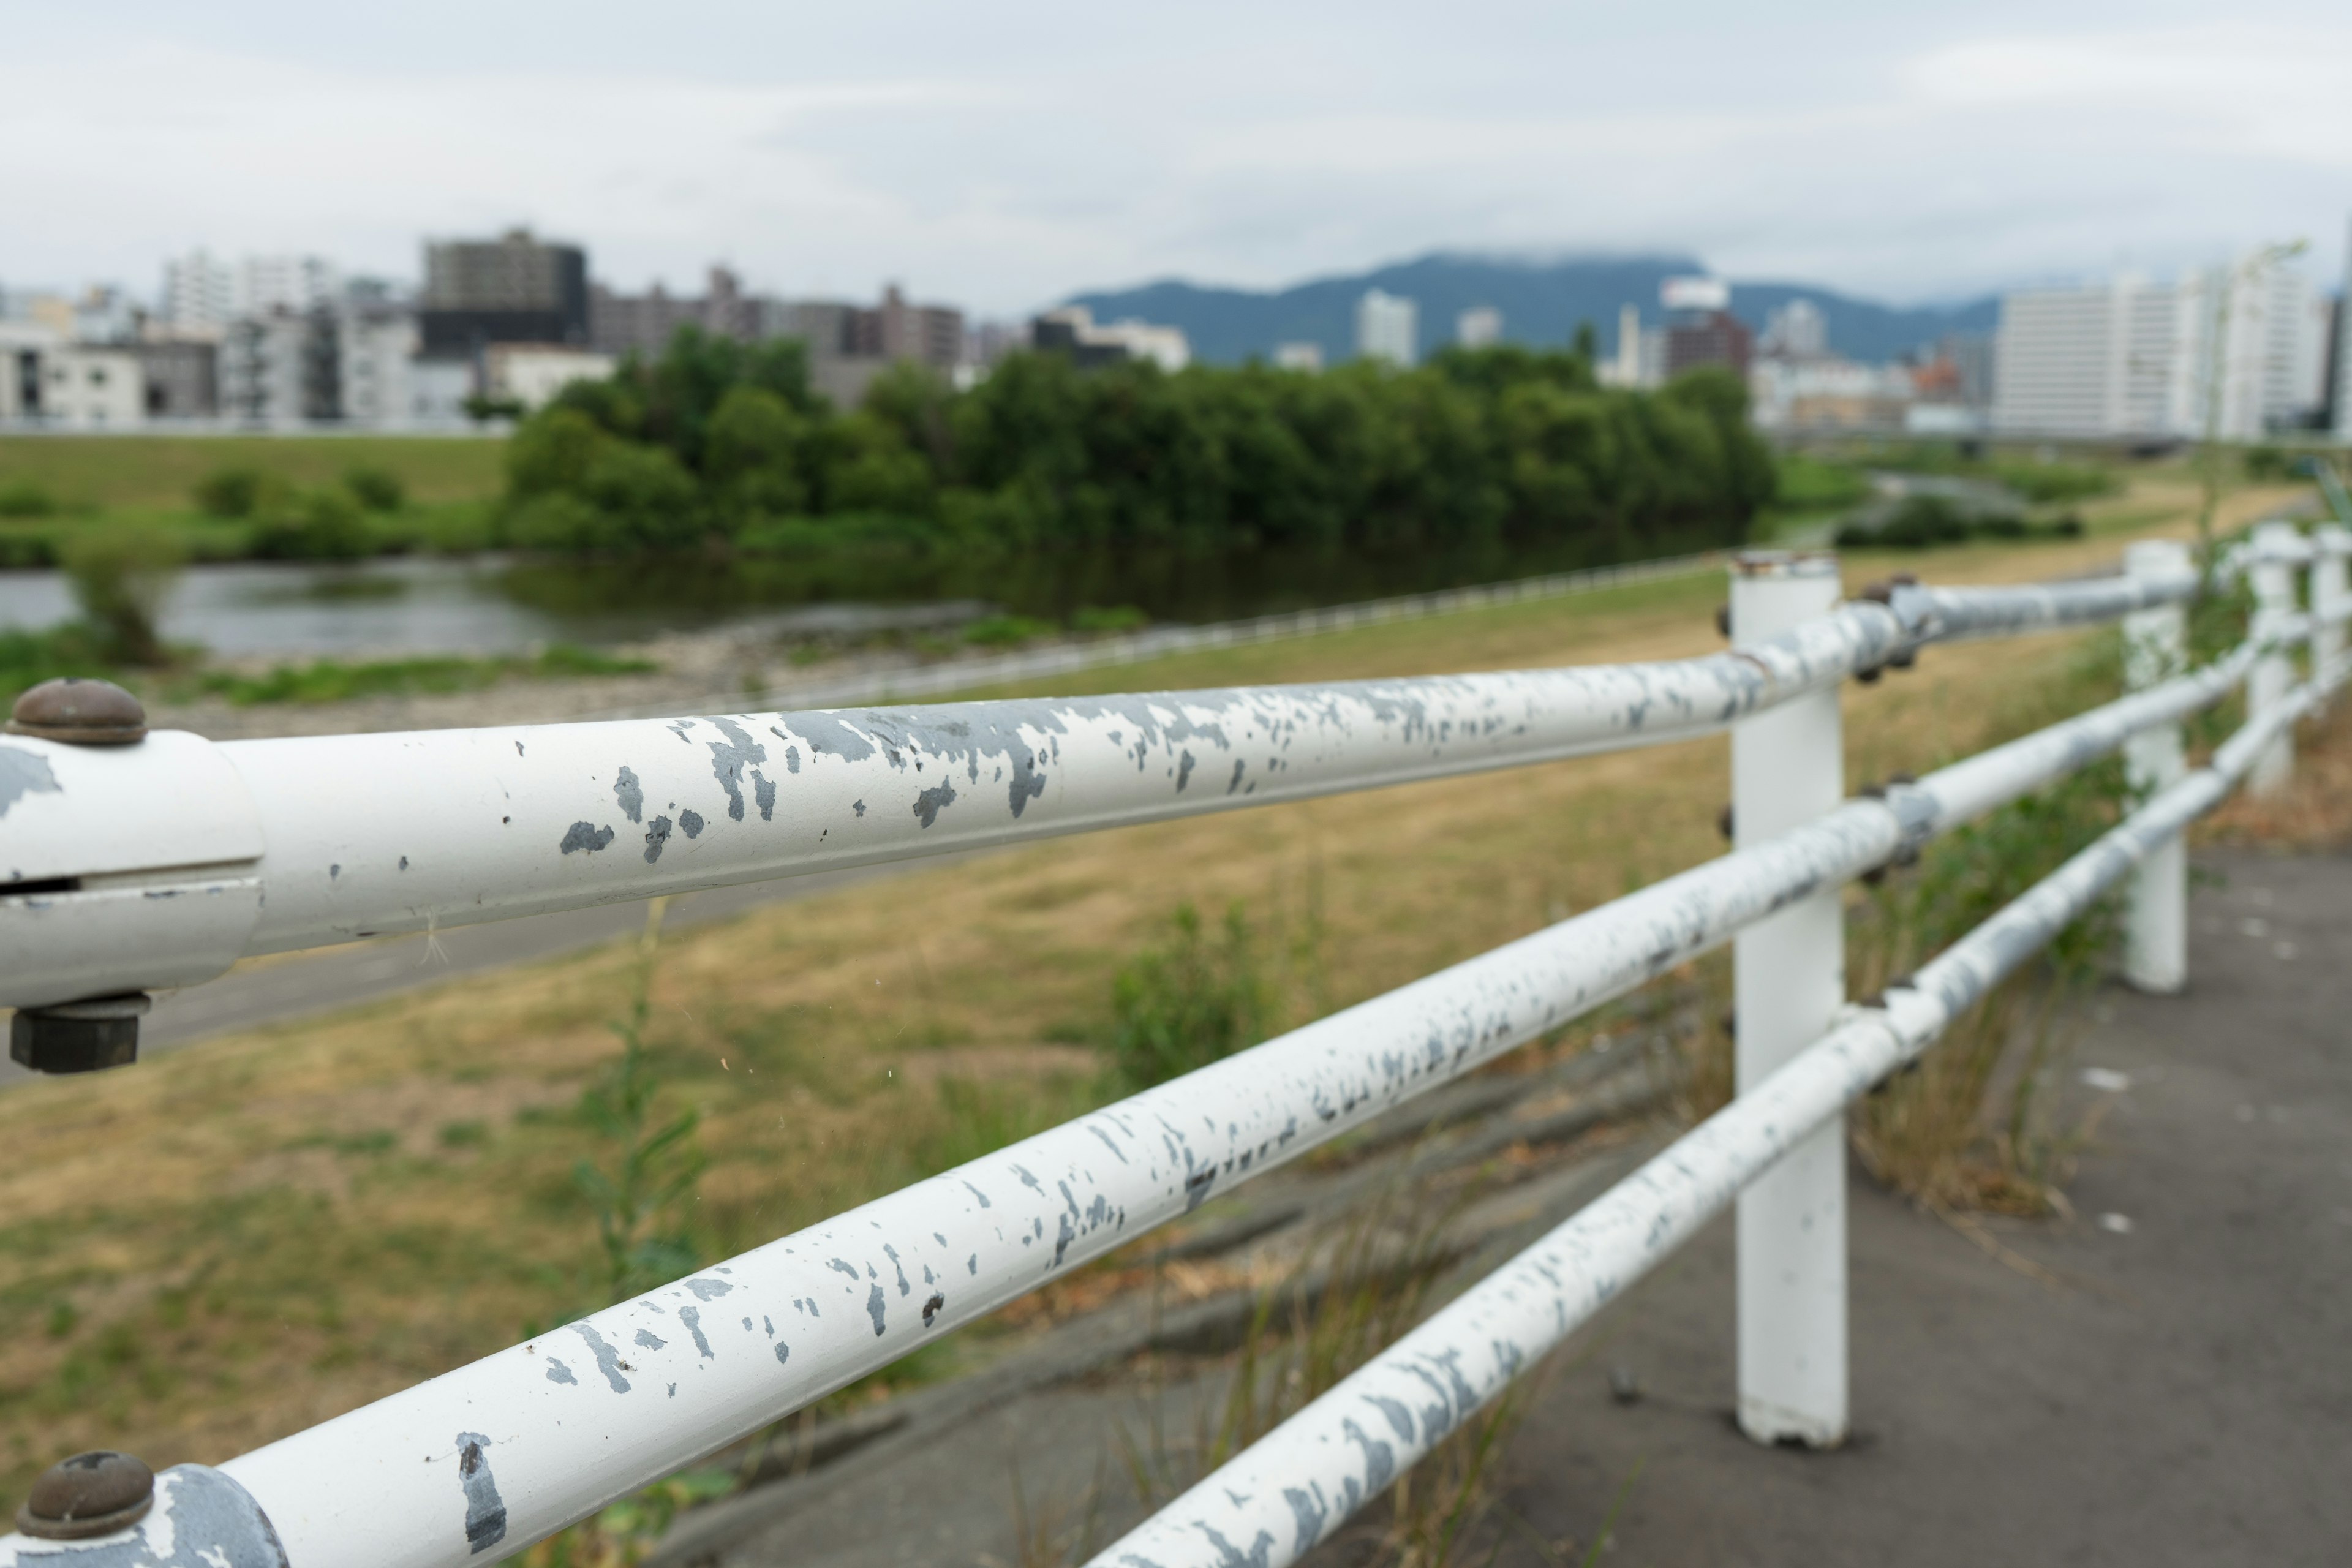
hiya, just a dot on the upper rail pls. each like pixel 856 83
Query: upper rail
pixel 160 864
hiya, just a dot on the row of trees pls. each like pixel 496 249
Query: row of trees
pixel 718 440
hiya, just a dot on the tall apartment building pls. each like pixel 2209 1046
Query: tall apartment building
pixel 1072 331
pixel 1797 329
pixel 511 290
pixel 199 293
pixel 1388 327
pixel 262 284
pixel 2236 351
pixel 1480 326
pixel 644 323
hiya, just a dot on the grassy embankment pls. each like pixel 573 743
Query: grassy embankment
pixel 72 484
pixel 234 1241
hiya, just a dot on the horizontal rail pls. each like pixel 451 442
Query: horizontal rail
pixel 689 1367
pixel 268 846
pixel 1291 1489
pixel 913 681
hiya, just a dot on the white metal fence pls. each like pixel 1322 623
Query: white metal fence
pixel 159 864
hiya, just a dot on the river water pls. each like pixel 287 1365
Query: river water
pixel 488 605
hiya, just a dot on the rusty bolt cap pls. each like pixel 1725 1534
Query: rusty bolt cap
pixel 80 712
pixel 96 1493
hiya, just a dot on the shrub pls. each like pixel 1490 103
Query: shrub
pixel 1188 1001
pixel 314 525
pixel 23 497
pixel 1006 631
pixel 237 492
pixel 376 488
pixel 121 576
pixel 1113 618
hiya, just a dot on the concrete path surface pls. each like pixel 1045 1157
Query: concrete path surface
pixel 2166 1379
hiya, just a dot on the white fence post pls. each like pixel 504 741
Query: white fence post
pixel 2156 647
pixel 2277 547
pixel 2331 593
pixel 1787 767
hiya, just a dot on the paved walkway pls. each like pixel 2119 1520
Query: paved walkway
pixel 2182 1394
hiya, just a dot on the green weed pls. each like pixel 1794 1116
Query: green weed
pixel 1190 1001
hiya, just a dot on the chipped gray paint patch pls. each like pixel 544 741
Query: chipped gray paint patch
pixel 692 1318
pixel 582 836
pixel 486 1511
pixel 707 1289
pixel 656 837
pixel 629 794
pixel 690 824
pixel 559 1372
pixel 608 1360
pixel 23 772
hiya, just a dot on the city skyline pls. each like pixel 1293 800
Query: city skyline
pixel 1902 158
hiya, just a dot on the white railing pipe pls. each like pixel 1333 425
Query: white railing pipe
pixel 2331 591
pixel 2155 649
pixel 1788 769
pixel 303 842
pixel 2277 550
pixel 521 1443
pixel 1277 1499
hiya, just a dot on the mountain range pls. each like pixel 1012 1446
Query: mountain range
pixel 1542 303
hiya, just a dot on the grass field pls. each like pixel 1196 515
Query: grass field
pixel 247 1237
pixel 156 473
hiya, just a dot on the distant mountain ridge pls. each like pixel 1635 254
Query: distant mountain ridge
pixel 1542 303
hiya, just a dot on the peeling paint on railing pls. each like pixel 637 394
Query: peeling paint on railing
pixel 1274 1501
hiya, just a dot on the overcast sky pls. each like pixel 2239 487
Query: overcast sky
pixel 1002 157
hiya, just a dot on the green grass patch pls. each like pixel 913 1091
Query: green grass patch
pixel 160 472
pixel 332 681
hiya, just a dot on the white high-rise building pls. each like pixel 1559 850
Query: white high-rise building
pixel 297 283
pixel 2231 351
pixel 1797 329
pixel 1480 326
pixel 199 293
pixel 1388 327
pixel 2344 350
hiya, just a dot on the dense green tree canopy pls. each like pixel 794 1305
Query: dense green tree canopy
pixel 716 441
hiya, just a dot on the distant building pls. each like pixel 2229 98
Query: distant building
pixel 1709 338
pixel 23 346
pixel 1388 327
pixel 199 293
pixel 1797 329
pixel 276 370
pixel 1072 330
pixel 511 290
pixel 644 323
pixel 263 284
pixel 1298 356
pixel 1480 326
pixel 849 344
pixel 375 353
pixel 2239 350
pixel 532 374
pixel 180 377
pixel 1827 395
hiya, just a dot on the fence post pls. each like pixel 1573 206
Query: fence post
pixel 2331 593
pixel 2277 548
pixel 2155 649
pixel 1787 767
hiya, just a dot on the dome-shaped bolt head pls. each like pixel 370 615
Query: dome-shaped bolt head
pixel 96 1493
pixel 79 712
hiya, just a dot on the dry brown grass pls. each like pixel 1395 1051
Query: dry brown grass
pixel 243 1238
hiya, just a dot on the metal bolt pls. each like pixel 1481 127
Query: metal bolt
pixel 1723 823
pixel 1723 618
pixel 96 1493
pixel 79 1036
pixel 80 712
